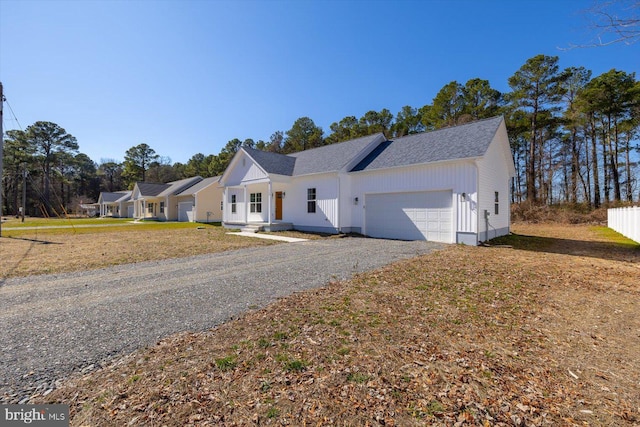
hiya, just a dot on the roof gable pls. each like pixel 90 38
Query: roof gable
pixel 459 142
pixel 275 163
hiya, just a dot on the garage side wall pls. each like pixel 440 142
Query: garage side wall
pixel 458 177
pixel 494 178
pixel 208 200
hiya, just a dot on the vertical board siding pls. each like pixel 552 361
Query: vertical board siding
pixel 458 177
pixel 493 176
pixel 245 171
pixel 625 221
pixel 239 215
pixel 326 214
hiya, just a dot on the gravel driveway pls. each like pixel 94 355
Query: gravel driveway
pixel 54 325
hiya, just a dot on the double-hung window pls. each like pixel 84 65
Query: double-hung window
pixel 161 207
pixel 233 203
pixel 311 200
pixel 496 206
pixel 255 205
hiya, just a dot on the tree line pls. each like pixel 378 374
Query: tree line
pixel 573 137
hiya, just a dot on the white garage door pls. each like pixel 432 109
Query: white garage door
pixel 184 211
pixel 410 216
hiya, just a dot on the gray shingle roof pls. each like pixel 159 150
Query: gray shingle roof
pixel 199 186
pixel 177 186
pixel 151 189
pixel 116 196
pixel 275 163
pixel 330 158
pixel 459 142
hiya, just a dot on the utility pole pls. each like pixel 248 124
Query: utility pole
pixel 24 189
pixel 1 154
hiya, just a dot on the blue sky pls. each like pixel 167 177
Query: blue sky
pixel 187 76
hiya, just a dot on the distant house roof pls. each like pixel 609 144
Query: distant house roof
pixel 150 189
pixel 199 186
pixel 459 142
pixel 114 197
pixel 176 187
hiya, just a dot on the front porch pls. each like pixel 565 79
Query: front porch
pixel 254 227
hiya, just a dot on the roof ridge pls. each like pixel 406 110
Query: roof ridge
pixel 341 142
pixel 474 122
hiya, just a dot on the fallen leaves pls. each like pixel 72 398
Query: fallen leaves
pixel 466 336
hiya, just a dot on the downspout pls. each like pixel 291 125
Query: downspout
pixel 338 205
pixel 478 202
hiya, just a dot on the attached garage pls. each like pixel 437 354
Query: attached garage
pixel 185 211
pixel 424 215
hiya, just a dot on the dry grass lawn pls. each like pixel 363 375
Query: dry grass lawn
pixel 44 250
pixel 545 332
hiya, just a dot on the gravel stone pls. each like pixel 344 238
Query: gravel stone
pixel 55 325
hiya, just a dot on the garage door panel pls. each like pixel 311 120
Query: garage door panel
pixel 184 208
pixel 409 216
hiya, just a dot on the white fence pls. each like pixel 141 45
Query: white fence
pixel 625 221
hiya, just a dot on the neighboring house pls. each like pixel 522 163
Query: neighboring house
pixel 451 185
pixel 159 201
pixel 88 209
pixel 201 202
pixel 115 204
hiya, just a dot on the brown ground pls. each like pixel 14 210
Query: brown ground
pixel 64 250
pixel 546 332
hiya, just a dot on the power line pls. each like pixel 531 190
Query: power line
pixel 13 114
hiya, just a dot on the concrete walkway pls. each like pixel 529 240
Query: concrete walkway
pixel 269 236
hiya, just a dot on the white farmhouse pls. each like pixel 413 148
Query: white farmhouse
pixel 451 185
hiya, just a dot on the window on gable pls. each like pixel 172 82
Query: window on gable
pixel 311 200
pixel 233 203
pixel 496 208
pixel 255 205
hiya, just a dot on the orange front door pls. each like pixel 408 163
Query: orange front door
pixel 278 205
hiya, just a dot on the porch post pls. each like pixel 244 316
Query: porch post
pixel 246 206
pixel 224 204
pixel 270 201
